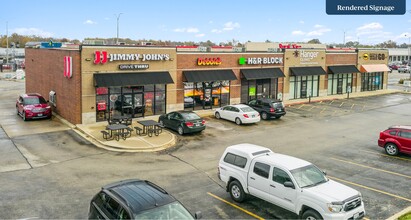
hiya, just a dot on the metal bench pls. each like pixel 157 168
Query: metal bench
pixel 138 130
pixel 105 134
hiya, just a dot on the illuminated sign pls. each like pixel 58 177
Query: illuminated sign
pixel 133 66
pixel 374 56
pixel 102 57
pixel 209 61
pixel 260 60
pixel 289 46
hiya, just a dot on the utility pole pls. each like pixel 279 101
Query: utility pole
pixel 118 18
pixel 7 42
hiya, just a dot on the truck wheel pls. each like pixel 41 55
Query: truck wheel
pixel 311 215
pixel 236 191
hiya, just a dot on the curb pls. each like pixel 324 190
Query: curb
pixel 399 214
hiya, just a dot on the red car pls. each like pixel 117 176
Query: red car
pixel 32 106
pixel 396 139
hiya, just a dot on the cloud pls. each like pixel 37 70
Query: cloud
pixel 318 26
pixel 200 35
pixel 89 22
pixel 319 30
pixel 301 22
pixel 229 26
pixel 370 27
pixel 298 33
pixel 187 30
pixel 192 30
pixel 32 32
pixel 216 31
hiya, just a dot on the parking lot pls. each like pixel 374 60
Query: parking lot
pixel 57 172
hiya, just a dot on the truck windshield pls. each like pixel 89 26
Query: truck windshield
pixel 308 176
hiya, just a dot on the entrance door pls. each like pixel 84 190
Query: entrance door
pixel 133 104
pixel 207 99
pixel 339 85
pixel 303 90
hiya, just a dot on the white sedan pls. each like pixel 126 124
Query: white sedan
pixel 238 113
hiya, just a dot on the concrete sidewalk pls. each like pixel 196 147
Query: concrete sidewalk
pixel 168 139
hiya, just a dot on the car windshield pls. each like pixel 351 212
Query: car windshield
pixel 308 176
pixel 34 101
pixel 247 109
pixel 170 211
pixel 190 116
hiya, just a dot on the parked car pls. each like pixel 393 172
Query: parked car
pixel 393 66
pixel 182 121
pixel 240 114
pixel 136 199
pixel 404 69
pixel 396 139
pixel 189 102
pixel 288 182
pixel 268 107
pixel 33 106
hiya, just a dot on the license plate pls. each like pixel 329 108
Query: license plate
pixel 279 110
pixel 253 116
pixel 39 114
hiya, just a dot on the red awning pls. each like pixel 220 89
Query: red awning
pixel 369 68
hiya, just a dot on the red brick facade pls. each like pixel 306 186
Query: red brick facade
pixel 45 73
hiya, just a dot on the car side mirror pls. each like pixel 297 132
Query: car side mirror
pixel 198 215
pixel 289 184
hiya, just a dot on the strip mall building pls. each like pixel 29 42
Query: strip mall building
pixel 88 83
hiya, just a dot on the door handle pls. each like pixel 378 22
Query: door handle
pixel 252 178
pixel 272 186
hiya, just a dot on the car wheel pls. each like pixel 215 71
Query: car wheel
pixel 264 115
pixel 236 191
pixel 161 122
pixel 217 115
pixel 24 116
pixel 180 130
pixel 311 215
pixel 391 149
pixel 238 121
pixel 17 111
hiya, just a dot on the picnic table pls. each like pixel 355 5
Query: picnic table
pixel 150 127
pixel 116 131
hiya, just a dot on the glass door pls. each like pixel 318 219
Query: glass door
pixel 339 84
pixel 303 89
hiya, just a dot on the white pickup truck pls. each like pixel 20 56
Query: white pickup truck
pixel 288 182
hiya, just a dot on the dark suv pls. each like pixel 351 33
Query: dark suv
pixel 396 139
pixel 136 199
pixel 268 107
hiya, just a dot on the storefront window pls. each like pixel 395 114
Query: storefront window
pixel 205 95
pixel 337 83
pixel 260 88
pixel 160 99
pixel 372 81
pixel 102 103
pixel 304 86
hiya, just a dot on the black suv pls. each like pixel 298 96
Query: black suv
pixel 268 107
pixel 136 199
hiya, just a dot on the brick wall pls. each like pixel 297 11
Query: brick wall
pixel 44 73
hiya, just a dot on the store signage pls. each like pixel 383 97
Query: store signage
pixel 306 57
pixel 133 66
pixel 289 46
pixel 68 67
pixel 102 57
pixel 374 56
pixel 209 61
pixel 260 60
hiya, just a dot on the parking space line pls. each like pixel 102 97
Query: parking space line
pixel 342 104
pixel 384 155
pixel 365 166
pixel 235 206
pixel 372 189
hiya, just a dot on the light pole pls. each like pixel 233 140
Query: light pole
pixel 7 42
pixel 118 18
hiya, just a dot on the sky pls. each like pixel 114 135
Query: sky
pixel 190 20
